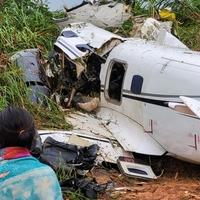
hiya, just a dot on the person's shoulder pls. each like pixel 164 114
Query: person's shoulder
pixel 47 169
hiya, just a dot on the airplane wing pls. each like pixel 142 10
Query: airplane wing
pixel 115 126
pixel 193 104
pixel 190 107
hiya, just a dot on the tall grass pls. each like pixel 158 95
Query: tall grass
pixel 12 88
pixel 25 24
pixel 13 91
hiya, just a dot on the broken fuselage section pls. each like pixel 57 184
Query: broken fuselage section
pixel 140 80
pixel 78 61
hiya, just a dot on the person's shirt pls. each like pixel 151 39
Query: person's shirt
pixel 23 177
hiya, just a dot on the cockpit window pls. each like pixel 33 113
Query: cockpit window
pixel 116 81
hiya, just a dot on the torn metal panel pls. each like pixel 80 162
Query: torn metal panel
pixel 71 45
pixel 115 126
pixel 107 15
pixel 109 150
pixel 80 39
pixel 161 33
pixel 29 61
pixel 96 37
pixel 88 124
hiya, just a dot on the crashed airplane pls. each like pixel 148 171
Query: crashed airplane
pixel 148 99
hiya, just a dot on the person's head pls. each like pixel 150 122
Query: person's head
pixel 16 128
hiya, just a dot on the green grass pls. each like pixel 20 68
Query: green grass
pixel 189 34
pixel 187 17
pixel 13 91
pixel 25 24
pixel 126 28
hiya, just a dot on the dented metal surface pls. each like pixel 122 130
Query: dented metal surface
pixel 80 39
pixel 29 61
pixel 79 50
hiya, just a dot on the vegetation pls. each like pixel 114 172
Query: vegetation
pixel 25 24
pixel 13 91
pixel 187 12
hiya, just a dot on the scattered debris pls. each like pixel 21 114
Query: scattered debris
pixel 109 149
pixel 118 13
pixel 71 159
pixel 160 32
pixel 167 14
pixel 130 168
pixel 89 188
pixel 68 157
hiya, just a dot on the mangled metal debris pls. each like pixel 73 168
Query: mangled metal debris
pixel 80 39
pixel 128 110
pixel 79 52
pixel 29 61
pixel 118 13
pixel 160 32
pixel 78 11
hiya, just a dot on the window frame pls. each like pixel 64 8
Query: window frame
pixel 108 74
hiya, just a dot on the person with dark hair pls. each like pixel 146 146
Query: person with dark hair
pixel 22 176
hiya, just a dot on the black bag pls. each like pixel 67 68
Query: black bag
pixel 66 156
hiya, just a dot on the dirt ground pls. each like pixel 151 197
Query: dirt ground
pixel 180 181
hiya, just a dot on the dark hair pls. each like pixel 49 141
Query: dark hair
pixel 16 128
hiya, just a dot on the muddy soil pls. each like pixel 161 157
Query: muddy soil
pixel 179 181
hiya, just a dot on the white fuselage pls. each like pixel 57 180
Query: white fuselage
pixel 161 74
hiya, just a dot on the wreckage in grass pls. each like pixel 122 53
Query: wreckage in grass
pixel 147 94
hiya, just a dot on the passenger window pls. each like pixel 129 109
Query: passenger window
pixel 136 85
pixel 116 81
